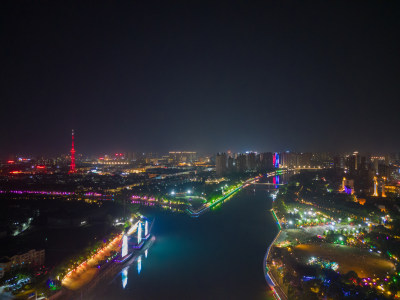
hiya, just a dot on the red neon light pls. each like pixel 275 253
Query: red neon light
pixel 72 166
pixel 41 167
pixel 10 161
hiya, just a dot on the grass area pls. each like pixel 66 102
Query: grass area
pixel 364 263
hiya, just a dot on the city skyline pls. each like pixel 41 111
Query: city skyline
pixel 158 153
pixel 155 152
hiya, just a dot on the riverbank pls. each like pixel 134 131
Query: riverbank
pixel 227 242
pixel 108 260
pixel 325 251
pixel 276 289
pixel 207 206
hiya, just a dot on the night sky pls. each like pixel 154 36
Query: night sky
pixel 191 75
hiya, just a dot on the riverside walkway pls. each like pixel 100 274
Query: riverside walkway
pixel 206 207
pixel 209 205
pixel 278 292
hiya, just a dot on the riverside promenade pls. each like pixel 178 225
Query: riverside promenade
pixel 272 282
pixel 209 205
pixel 206 207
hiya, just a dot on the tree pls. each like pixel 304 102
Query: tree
pixel 350 277
pixel 280 206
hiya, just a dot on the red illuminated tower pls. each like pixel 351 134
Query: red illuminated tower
pixel 72 166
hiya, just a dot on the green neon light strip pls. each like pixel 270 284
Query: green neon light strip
pixel 224 197
pixel 276 219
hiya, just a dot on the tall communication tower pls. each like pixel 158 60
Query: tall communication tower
pixel 72 166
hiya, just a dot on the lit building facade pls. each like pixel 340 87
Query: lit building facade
pixel 32 257
pixel 183 156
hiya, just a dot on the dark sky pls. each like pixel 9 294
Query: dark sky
pixel 190 75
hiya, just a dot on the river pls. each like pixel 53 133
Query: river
pixel 216 256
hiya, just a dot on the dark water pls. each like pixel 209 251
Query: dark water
pixel 216 256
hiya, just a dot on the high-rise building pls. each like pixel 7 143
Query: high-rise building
pixel 384 170
pixel 352 163
pixel 289 159
pixel 356 158
pixel 231 164
pixel 241 163
pixel 305 159
pixel 378 163
pixel 322 159
pixel 251 161
pixel 183 156
pixel 339 162
pixel 276 160
pixel 220 164
pixel 130 156
pixel 375 194
pixel 266 160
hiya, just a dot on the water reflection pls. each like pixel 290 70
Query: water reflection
pixel 124 277
pixel 139 264
pixel 124 273
pixel 276 181
pixel 185 244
